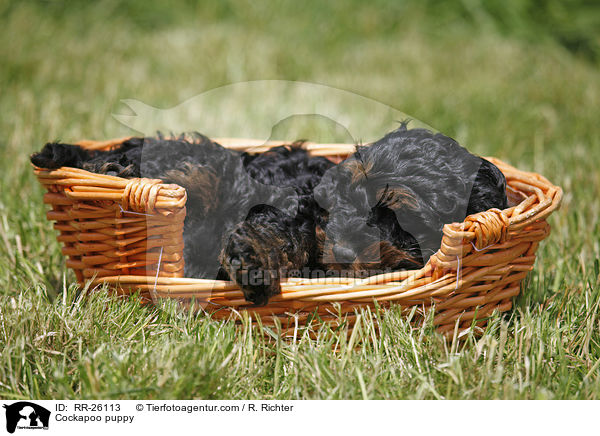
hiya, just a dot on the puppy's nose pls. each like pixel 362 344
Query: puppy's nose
pixel 343 254
pixel 259 299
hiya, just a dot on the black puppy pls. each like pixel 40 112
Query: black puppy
pixel 250 218
pixel 271 243
pixel 381 209
pixel 388 202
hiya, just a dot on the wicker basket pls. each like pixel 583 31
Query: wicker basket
pixel 129 234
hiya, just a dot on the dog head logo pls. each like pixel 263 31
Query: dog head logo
pixel 26 415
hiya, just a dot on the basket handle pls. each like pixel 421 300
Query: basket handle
pixel 482 229
pixel 140 195
pixel 489 227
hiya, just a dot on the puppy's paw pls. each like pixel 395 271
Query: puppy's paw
pixel 112 169
pixel 55 155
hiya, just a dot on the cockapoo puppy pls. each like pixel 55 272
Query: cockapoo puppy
pixel 256 219
pixel 250 218
pixel 388 202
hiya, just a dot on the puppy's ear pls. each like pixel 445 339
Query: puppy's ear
pixel 396 197
pixel 200 182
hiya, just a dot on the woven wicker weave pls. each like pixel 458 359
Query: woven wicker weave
pixel 121 231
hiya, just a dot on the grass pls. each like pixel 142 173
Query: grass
pixel 502 85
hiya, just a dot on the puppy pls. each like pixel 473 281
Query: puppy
pixel 249 217
pixel 272 243
pixel 381 209
pixel 387 203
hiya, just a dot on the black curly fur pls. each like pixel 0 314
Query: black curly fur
pixel 123 161
pixel 256 218
pixel 271 243
pixel 388 202
pixel 249 217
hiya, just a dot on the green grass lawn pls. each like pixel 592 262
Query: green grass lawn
pixel 503 84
